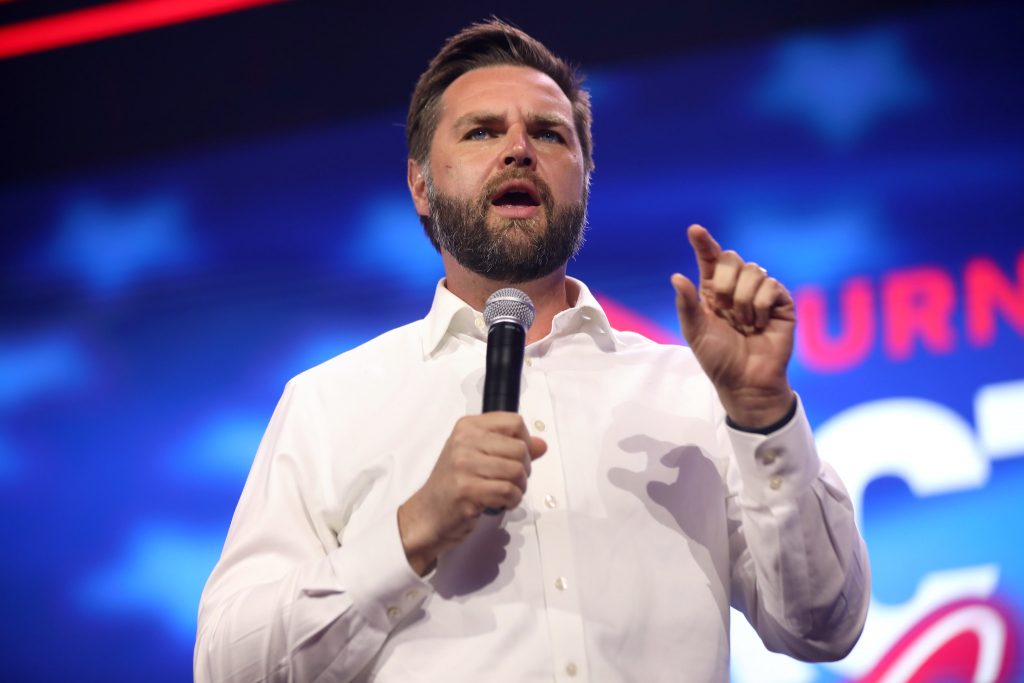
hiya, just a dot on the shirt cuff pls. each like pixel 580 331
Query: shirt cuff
pixel 374 570
pixel 777 466
pixel 778 424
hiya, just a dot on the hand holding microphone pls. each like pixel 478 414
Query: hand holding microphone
pixel 485 463
pixel 509 314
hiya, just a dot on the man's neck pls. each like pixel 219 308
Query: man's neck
pixel 550 294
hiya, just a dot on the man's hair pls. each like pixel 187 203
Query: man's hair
pixel 491 43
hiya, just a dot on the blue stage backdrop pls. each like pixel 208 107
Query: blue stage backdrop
pixel 153 312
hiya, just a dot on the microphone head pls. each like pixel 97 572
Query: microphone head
pixel 509 305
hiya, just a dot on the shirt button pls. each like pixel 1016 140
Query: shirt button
pixel 775 482
pixel 550 501
pixel 770 456
pixel 394 613
pixel 571 669
pixel 480 324
pixel 561 584
pixel 539 425
pixel 412 595
pixel 528 362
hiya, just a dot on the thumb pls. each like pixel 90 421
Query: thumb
pixel 538 447
pixel 691 315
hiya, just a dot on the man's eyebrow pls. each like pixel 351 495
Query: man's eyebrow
pixel 549 120
pixel 478 118
pixel 485 118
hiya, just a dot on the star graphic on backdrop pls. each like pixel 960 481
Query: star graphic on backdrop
pixel 39 365
pixel 160 573
pixel 812 243
pixel 842 86
pixel 112 244
pixel 221 448
pixel 390 242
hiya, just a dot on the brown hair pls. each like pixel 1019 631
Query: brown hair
pixel 491 43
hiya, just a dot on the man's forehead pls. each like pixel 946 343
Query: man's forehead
pixel 497 88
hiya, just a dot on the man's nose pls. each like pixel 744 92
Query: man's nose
pixel 519 151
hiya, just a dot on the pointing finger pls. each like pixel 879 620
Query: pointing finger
pixel 705 248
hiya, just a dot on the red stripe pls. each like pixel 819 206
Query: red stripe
pixel 112 19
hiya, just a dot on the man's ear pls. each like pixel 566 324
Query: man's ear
pixel 418 187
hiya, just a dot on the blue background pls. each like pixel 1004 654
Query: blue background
pixel 153 310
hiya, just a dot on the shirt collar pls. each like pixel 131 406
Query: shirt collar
pixel 451 316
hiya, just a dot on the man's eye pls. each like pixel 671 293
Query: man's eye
pixel 478 134
pixel 550 136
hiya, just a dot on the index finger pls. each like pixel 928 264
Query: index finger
pixel 509 424
pixel 705 248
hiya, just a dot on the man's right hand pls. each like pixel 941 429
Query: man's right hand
pixel 484 464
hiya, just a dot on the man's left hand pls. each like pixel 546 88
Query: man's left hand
pixel 740 328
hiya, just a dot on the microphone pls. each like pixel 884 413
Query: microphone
pixel 509 314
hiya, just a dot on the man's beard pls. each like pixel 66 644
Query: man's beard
pixel 511 250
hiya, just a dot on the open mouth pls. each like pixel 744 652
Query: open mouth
pixel 516 194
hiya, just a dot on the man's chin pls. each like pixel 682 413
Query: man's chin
pixel 512 228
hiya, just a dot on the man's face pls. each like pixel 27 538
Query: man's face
pixel 505 191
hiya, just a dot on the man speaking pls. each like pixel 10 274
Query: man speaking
pixel 392 531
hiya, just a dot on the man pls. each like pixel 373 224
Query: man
pixel 646 488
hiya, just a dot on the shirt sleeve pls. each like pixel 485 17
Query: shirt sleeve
pixel 288 601
pixel 800 569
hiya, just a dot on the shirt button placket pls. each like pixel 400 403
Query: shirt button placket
pixel 548 494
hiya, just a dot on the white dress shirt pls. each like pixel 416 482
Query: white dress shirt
pixel 644 520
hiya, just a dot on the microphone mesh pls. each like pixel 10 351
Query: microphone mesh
pixel 509 305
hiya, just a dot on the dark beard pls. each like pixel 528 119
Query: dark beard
pixel 514 250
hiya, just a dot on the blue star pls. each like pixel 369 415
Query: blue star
pixel 319 345
pixel 40 365
pixel 161 573
pixel 221 449
pixel 812 244
pixel 391 244
pixel 842 87
pixel 111 244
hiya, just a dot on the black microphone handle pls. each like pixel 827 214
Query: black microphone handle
pixel 506 344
